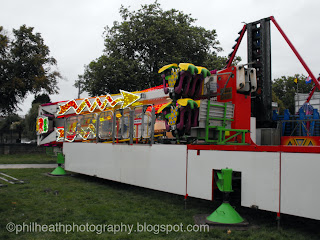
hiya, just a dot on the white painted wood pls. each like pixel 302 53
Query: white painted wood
pixel 160 167
pixel 259 174
pixel 50 138
pixel 163 167
pixel 300 184
pixel 52 109
pixel 253 129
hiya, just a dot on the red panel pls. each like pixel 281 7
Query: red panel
pixel 242 108
pixel 256 148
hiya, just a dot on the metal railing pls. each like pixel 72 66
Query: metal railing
pixel 306 127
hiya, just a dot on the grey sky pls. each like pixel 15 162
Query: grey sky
pixel 73 30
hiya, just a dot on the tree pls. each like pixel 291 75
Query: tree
pixel 26 67
pixel 281 106
pixel 31 117
pixel 214 61
pixel 285 89
pixel 9 124
pixel 41 98
pixel 142 43
pixel 30 122
pixel 109 74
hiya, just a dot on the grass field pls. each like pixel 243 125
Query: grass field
pixel 26 159
pixel 80 200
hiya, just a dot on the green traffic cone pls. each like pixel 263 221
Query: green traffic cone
pixel 59 171
pixel 225 214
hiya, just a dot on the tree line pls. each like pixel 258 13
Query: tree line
pixel 26 67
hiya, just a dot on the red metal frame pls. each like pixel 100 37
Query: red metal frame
pixel 186 196
pixel 312 91
pixel 242 102
pixel 298 56
pixel 279 211
pixel 316 81
pixel 237 46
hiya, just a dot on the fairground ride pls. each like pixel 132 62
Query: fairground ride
pixel 175 137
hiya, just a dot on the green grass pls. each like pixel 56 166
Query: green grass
pixel 81 199
pixel 26 159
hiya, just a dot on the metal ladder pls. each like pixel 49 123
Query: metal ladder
pixel 224 136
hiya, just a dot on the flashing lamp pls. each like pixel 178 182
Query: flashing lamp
pixel 126 100
pixel 42 125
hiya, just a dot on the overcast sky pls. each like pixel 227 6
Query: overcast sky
pixel 72 29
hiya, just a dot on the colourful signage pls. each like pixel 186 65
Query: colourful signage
pixel 300 141
pixel 126 100
pixel 42 125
